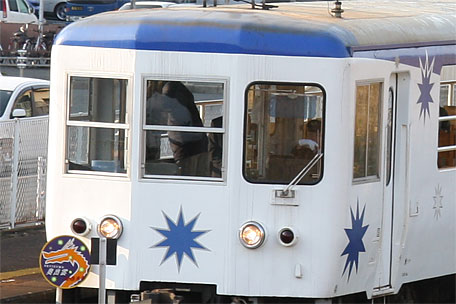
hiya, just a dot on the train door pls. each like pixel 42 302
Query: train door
pixel 395 170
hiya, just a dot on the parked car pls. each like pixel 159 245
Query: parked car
pixel 77 9
pixel 146 4
pixel 53 7
pixel 23 97
pixel 17 11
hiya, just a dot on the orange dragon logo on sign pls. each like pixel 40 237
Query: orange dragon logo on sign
pixel 64 261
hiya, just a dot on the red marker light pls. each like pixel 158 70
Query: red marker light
pixel 287 236
pixel 79 226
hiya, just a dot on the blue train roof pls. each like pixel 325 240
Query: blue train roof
pixel 292 29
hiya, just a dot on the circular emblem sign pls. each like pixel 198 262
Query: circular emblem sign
pixel 64 261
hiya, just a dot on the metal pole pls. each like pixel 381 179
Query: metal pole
pixel 14 172
pixel 102 274
pixel 59 296
pixel 40 188
pixel 21 61
pixel 41 13
pixel 40 24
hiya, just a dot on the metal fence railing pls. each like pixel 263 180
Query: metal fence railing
pixel 23 154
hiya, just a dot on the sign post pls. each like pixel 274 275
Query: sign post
pixel 102 270
pixel 104 253
pixel 58 295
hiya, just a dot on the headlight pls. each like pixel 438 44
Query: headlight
pixel 80 226
pixel 252 235
pixel 110 227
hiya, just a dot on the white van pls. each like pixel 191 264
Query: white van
pixel 16 11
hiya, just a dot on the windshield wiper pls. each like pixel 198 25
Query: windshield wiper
pixel 287 192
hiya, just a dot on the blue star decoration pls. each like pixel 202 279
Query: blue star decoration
pixel 425 86
pixel 180 239
pixel 355 240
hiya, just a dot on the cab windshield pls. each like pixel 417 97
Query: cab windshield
pixel 284 132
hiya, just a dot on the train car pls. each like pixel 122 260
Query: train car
pixel 251 154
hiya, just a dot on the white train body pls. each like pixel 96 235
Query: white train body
pixel 356 230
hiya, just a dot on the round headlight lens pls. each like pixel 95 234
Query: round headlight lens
pixel 110 227
pixel 252 235
pixel 80 226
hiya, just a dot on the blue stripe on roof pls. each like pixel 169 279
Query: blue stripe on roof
pixel 219 36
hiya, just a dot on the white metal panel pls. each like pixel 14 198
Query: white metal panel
pixel 221 208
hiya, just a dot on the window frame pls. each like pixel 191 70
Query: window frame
pixel 244 132
pixel 223 130
pixel 451 101
pixel 126 126
pixel 377 177
pixel 451 97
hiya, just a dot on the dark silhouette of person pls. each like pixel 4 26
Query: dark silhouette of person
pixel 182 111
pixel 444 125
pixel 309 146
pixel 155 115
pixel 215 148
pixel 173 104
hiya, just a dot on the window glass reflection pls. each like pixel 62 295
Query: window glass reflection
pixel 367 131
pixel 178 140
pixel 96 132
pixel 98 99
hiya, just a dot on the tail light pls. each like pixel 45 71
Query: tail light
pixel 80 226
pixel 287 236
pixel 5 14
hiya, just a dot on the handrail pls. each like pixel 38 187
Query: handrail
pixel 446 148
pixel 447 118
pixel 302 173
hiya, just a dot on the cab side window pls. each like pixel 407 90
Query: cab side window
pixel 367 131
pixel 447 119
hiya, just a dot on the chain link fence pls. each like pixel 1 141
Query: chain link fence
pixel 23 154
